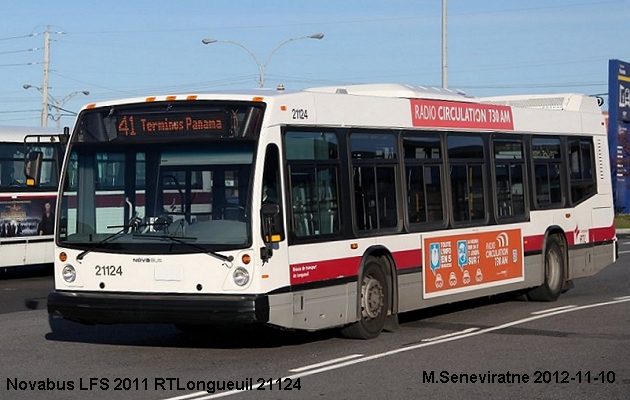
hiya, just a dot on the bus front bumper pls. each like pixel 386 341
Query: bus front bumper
pixel 120 308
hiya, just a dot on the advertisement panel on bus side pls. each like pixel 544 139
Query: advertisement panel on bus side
pixel 452 114
pixel 27 216
pixel 458 263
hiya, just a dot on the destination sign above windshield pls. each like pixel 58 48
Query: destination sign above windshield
pixel 171 124
pixel 169 121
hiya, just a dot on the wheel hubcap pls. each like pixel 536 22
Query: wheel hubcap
pixel 372 297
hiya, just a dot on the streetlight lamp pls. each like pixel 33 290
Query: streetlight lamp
pixel 51 102
pixel 263 66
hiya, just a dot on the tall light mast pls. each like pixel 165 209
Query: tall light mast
pixel 444 47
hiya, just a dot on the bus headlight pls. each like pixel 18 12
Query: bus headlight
pixel 69 274
pixel 240 276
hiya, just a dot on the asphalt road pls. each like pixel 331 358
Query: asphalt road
pixel 575 348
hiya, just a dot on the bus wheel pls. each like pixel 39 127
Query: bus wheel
pixel 554 273
pixel 373 301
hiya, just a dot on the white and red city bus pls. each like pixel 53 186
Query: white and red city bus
pixel 27 212
pixel 327 207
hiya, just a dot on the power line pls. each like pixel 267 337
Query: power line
pixel 356 20
pixel 15 37
pixel 17 111
pixel 18 65
pixel 20 51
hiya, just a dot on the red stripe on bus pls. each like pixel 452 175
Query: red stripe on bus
pixel 408 258
pixel 314 271
pixel 533 243
pixel 602 234
pixel 110 201
pixel 118 199
pixel 596 235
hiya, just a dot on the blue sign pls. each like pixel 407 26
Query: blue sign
pixel 618 125
pixel 462 253
pixel 434 249
pixel 623 92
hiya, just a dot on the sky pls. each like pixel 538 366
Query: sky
pixel 119 49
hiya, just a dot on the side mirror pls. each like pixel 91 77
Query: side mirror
pixel 272 230
pixel 33 168
pixel 65 137
pixel 270 210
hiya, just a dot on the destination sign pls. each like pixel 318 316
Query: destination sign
pixel 171 124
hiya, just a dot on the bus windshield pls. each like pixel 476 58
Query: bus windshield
pixel 138 196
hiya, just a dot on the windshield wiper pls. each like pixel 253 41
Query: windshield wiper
pixel 107 239
pixel 134 226
pixel 186 240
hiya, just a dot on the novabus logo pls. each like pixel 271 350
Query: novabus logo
pixel 146 260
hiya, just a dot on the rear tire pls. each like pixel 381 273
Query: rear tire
pixel 555 262
pixel 374 303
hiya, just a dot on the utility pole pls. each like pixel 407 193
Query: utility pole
pixel 444 47
pixel 45 82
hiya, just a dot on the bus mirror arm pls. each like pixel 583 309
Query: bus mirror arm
pixel 265 253
pixel 65 137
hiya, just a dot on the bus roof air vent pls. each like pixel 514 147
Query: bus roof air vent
pixel 561 102
pixel 393 90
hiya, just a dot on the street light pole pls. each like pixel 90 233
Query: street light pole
pixel 444 46
pixel 262 67
pixel 261 71
pixel 54 103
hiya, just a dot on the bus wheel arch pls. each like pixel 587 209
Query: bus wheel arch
pixel 555 262
pixel 376 296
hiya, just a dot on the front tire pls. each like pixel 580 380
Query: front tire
pixel 374 303
pixel 555 262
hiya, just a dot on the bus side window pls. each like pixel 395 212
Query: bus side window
pixel 313 164
pixel 467 170
pixel 582 179
pixel 547 155
pixel 374 166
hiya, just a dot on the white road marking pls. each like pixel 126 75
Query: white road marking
pixel 561 310
pixel 450 335
pixel 321 364
pixel 552 310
